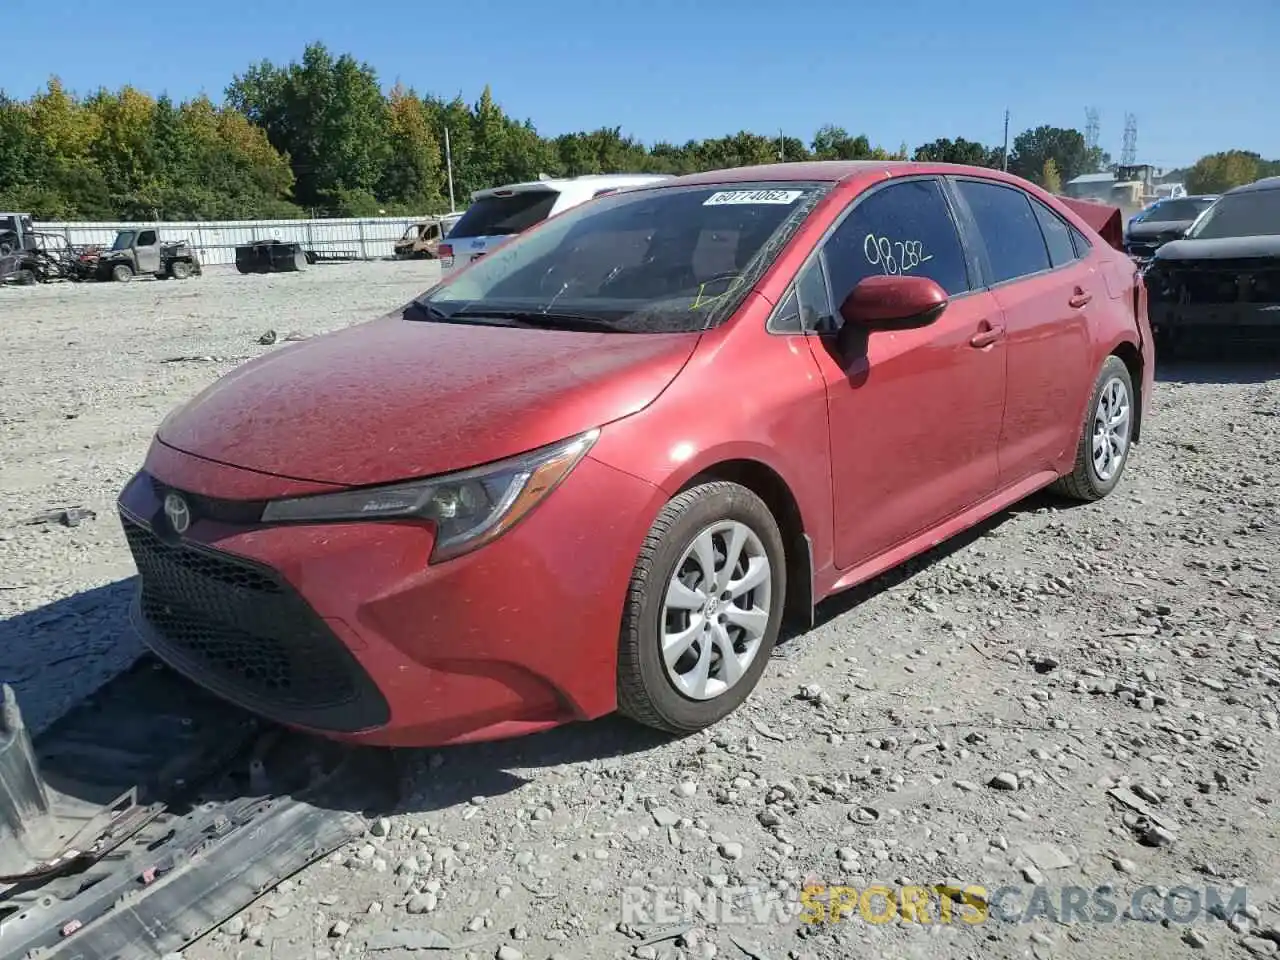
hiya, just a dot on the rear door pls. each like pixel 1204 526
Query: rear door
pixel 491 219
pixel 1047 294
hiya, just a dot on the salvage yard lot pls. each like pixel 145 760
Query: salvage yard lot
pixel 958 722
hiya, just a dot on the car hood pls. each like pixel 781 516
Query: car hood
pixel 1222 248
pixel 396 398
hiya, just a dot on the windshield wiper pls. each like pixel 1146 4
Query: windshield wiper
pixel 433 312
pixel 547 320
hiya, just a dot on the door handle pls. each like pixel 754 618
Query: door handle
pixel 985 338
pixel 1079 298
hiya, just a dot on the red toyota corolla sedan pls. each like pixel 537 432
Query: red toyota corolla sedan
pixel 595 469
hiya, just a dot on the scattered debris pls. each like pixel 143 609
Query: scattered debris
pixel 67 516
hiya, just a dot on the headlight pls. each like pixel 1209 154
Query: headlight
pixel 468 508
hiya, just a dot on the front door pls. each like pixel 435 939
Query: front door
pixel 913 420
pixel 147 250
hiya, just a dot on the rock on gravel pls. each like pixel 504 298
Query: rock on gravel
pixel 1109 669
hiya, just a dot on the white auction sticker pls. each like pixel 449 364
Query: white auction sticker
pixel 752 196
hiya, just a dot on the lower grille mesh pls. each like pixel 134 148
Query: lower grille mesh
pixel 244 632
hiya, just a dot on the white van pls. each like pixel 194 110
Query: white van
pixel 500 212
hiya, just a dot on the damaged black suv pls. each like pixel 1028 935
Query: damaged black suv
pixel 1222 279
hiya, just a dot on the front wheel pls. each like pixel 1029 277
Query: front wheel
pixel 703 610
pixel 121 272
pixel 1103 448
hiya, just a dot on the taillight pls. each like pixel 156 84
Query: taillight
pixel 445 250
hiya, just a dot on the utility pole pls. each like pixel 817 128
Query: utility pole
pixel 448 161
pixel 782 146
pixel 1004 159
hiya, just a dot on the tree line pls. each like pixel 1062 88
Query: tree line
pixel 320 137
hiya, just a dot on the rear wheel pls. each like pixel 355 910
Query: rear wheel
pixel 180 269
pixel 1105 439
pixel 703 610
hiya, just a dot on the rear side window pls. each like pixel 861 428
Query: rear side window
pixel 1057 235
pixel 502 216
pixel 1009 228
pixel 903 228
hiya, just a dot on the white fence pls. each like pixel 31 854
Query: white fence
pixel 216 241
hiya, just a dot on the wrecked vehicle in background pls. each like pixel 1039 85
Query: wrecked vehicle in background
pixel 1222 279
pixel 421 241
pixel 137 253
pixel 1163 221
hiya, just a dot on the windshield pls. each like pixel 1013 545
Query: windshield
pixel 503 215
pixel 664 259
pixel 1167 210
pixel 1255 213
pixel 124 240
pixel 411 233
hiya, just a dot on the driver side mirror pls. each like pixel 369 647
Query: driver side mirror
pixel 893 303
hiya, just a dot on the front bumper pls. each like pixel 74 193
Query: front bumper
pixel 345 630
pixel 1229 299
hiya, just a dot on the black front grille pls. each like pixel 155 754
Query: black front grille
pixel 240 630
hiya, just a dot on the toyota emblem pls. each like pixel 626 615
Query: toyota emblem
pixel 177 512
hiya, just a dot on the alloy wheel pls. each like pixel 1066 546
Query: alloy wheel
pixel 716 610
pixel 1112 421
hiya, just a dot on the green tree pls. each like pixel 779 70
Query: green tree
pixel 412 173
pixel 1066 147
pixel 1050 179
pixel 329 115
pixel 1219 172
pixel 834 143
pixel 960 150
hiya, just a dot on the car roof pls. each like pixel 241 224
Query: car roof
pixel 832 171
pixel 596 181
pixel 1266 183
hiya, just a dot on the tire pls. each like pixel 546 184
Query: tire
pixel 180 270
pixel 1086 482
pixel 25 277
pixel 121 273
pixel 647 692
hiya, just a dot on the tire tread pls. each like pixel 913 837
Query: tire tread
pixel 1079 484
pixel 633 701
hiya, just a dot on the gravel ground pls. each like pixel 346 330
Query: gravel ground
pixel 1076 700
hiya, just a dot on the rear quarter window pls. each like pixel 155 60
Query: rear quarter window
pixel 1057 234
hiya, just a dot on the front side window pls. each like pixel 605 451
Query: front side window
pixel 147 238
pixel 1009 229
pixel 903 228
pixel 659 259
